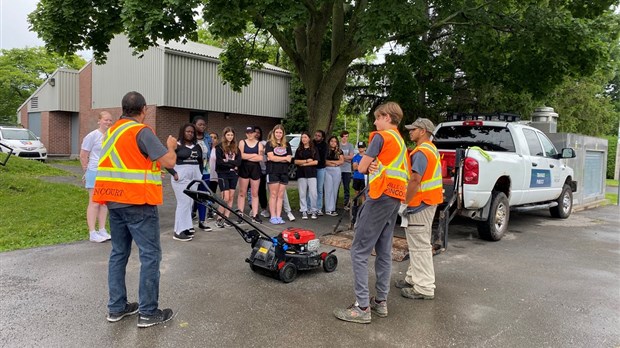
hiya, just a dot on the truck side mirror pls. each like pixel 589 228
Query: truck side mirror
pixel 567 152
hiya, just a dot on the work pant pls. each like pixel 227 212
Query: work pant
pixel 374 228
pixel 332 182
pixel 421 273
pixel 307 190
pixel 139 223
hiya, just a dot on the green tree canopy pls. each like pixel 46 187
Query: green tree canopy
pixel 454 45
pixel 22 70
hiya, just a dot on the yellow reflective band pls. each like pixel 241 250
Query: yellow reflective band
pixel 110 141
pixel 133 176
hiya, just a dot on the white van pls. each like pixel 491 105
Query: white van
pixel 23 142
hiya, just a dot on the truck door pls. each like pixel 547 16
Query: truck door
pixel 555 166
pixel 538 169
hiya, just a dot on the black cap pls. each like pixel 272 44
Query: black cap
pixel 249 129
pixel 361 144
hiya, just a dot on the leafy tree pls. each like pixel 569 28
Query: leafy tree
pixel 22 70
pixel 473 41
pixel 508 56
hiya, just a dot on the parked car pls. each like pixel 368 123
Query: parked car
pixel 23 142
pixel 293 140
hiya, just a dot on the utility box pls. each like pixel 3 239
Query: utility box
pixel 545 119
pixel 589 166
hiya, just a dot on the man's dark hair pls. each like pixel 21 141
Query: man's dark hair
pixel 344 132
pixel 198 118
pixel 322 134
pixel 133 103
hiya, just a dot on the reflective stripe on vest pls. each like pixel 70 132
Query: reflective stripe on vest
pixel 435 181
pixel 130 176
pixel 391 178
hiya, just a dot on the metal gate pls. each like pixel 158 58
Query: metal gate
pixel 593 173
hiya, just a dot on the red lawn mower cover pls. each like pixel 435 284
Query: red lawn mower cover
pixel 296 235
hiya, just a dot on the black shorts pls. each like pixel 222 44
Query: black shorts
pixel 227 181
pixel 250 170
pixel 359 184
pixel 276 178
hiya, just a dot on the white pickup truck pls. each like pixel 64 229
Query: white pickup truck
pixel 492 166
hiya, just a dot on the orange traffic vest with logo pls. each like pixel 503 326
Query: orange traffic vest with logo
pixel 431 186
pixel 392 176
pixel 124 175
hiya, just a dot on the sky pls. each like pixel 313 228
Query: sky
pixel 14 25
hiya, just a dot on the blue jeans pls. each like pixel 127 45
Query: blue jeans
pixel 320 182
pixel 202 209
pixel 141 224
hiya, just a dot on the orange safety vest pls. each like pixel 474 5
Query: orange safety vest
pixel 392 176
pixel 124 175
pixel 431 186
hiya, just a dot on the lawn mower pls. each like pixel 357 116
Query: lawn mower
pixel 292 250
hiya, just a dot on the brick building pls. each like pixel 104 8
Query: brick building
pixel 179 82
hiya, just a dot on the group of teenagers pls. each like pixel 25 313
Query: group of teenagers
pixel 258 170
pixel 128 181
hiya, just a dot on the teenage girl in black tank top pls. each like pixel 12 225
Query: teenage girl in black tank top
pixel 250 172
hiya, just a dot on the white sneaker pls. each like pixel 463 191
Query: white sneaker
pixel 96 237
pixel 102 232
pixel 264 213
pixel 290 215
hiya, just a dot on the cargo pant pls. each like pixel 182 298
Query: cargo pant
pixel 421 273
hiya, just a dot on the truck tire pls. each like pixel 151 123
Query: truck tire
pixel 565 204
pixel 497 224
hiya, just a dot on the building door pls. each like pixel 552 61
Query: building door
pixel 75 134
pixel 34 123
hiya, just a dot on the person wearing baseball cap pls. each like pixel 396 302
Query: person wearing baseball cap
pixel 358 178
pixel 424 193
pixel 422 123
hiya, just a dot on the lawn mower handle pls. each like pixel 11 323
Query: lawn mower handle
pixel 203 197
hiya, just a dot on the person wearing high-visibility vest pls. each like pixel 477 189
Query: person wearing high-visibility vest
pixel 374 227
pixel 424 193
pixel 129 182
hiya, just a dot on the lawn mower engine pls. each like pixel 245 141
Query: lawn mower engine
pixel 292 250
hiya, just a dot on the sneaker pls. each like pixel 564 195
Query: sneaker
pixel 313 216
pixel 304 216
pixel 96 237
pixel 130 309
pixel 379 309
pixel 203 226
pixel 160 316
pixel 210 214
pixel 264 213
pixel 102 232
pixel 220 223
pixel 319 213
pixel 239 220
pixel 290 216
pixel 281 221
pixel 331 213
pixel 183 237
pixel 256 219
pixel 402 284
pixel 190 232
pixel 411 293
pixel 274 221
pixel 227 224
pixel 354 314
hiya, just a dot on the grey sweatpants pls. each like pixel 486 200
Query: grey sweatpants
pixel 374 228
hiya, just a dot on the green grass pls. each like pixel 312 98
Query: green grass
pixel 611 182
pixel 71 162
pixel 36 212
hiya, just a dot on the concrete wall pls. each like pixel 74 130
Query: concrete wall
pixel 584 145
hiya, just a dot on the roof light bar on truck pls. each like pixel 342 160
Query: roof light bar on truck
pixel 496 116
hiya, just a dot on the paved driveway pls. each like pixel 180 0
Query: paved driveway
pixel 548 283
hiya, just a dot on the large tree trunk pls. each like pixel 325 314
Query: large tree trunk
pixel 323 106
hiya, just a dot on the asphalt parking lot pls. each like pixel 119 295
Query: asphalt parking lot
pixel 548 283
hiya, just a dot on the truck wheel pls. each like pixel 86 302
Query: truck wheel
pixel 330 263
pixel 288 273
pixel 565 204
pixel 494 228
